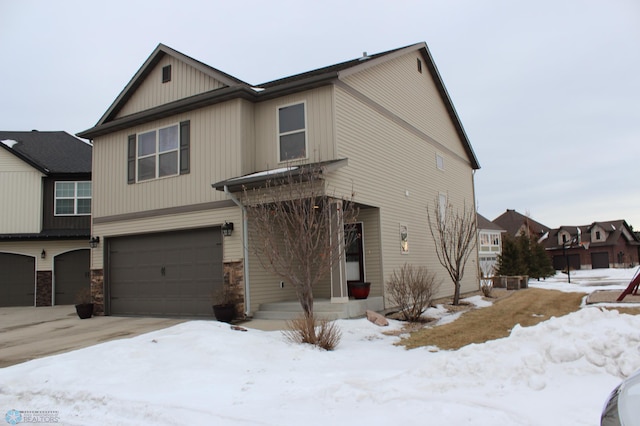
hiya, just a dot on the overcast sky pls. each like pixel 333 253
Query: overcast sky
pixel 548 91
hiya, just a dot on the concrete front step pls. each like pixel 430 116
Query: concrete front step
pixel 321 308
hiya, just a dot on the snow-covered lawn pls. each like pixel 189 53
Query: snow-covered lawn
pixel 203 373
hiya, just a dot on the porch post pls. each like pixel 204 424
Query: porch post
pixel 339 292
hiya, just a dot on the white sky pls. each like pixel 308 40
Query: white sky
pixel 548 91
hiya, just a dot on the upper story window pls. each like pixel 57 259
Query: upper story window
pixel 159 153
pixel 72 198
pixel 490 241
pixel 292 132
pixel 439 162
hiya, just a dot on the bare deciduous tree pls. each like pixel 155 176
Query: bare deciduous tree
pixel 293 229
pixel 454 233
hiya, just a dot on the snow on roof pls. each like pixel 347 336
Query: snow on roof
pixel 9 142
pixel 266 173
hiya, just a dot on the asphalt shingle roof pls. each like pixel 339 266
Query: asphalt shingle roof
pixel 51 152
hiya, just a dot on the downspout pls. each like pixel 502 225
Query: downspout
pixel 245 245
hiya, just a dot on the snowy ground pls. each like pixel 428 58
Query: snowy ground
pixel 203 373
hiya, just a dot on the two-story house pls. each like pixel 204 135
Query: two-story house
pixel 489 245
pixel 45 217
pixel 515 224
pixel 609 244
pixel 381 125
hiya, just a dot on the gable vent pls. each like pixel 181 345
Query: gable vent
pixel 166 73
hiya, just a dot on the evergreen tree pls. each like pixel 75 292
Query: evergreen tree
pixel 524 256
pixel 510 261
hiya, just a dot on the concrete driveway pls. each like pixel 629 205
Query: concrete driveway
pixel 27 333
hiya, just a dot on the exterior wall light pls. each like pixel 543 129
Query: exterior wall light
pixel 227 229
pixel 43 254
pixel 94 241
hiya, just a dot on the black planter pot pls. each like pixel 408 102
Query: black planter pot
pixel 224 313
pixel 84 310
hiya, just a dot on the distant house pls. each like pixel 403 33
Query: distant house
pixel 515 224
pixel 609 244
pixel 45 217
pixel 489 245
pixel 382 125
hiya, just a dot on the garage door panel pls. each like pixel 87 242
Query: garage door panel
pixel 170 273
pixel 17 280
pixel 71 274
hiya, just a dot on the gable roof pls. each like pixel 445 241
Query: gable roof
pixel 614 228
pixel 511 221
pixel 236 88
pixel 49 152
pixel 159 52
pixel 486 224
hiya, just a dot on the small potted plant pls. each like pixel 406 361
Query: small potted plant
pixel 84 306
pixel 224 302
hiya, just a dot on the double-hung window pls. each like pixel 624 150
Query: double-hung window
pixel 292 132
pixel 159 153
pixel 72 198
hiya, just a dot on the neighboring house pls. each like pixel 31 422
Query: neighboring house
pixel 599 245
pixel 515 224
pixel 45 217
pixel 381 125
pixel 489 245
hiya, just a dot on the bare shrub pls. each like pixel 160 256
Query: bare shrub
pixel 486 286
pixel 412 289
pixel 322 333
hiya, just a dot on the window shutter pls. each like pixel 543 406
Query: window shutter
pixel 131 160
pixel 184 147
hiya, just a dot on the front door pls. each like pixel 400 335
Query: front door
pixel 354 253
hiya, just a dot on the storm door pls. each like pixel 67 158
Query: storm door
pixel 354 252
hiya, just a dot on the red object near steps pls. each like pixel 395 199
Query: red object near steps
pixel 632 288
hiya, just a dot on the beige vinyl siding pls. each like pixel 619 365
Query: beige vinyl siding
pixel 387 162
pixel 34 249
pixel 265 287
pixel 21 194
pixel 398 86
pixel 215 154
pixel 319 126
pixel 185 81
pixel 232 246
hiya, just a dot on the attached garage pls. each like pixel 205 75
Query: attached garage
pixel 71 274
pixel 599 260
pixel 167 274
pixel 560 262
pixel 17 280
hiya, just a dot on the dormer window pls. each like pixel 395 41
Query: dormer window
pixel 597 235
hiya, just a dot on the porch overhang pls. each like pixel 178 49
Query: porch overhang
pixel 259 179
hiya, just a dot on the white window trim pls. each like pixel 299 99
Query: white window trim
pixel 439 162
pixel 75 198
pixel 156 155
pixel 305 131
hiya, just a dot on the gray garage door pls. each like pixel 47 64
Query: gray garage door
pixel 171 273
pixel 560 262
pixel 600 260
pixel 17 280
pixel 71 271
